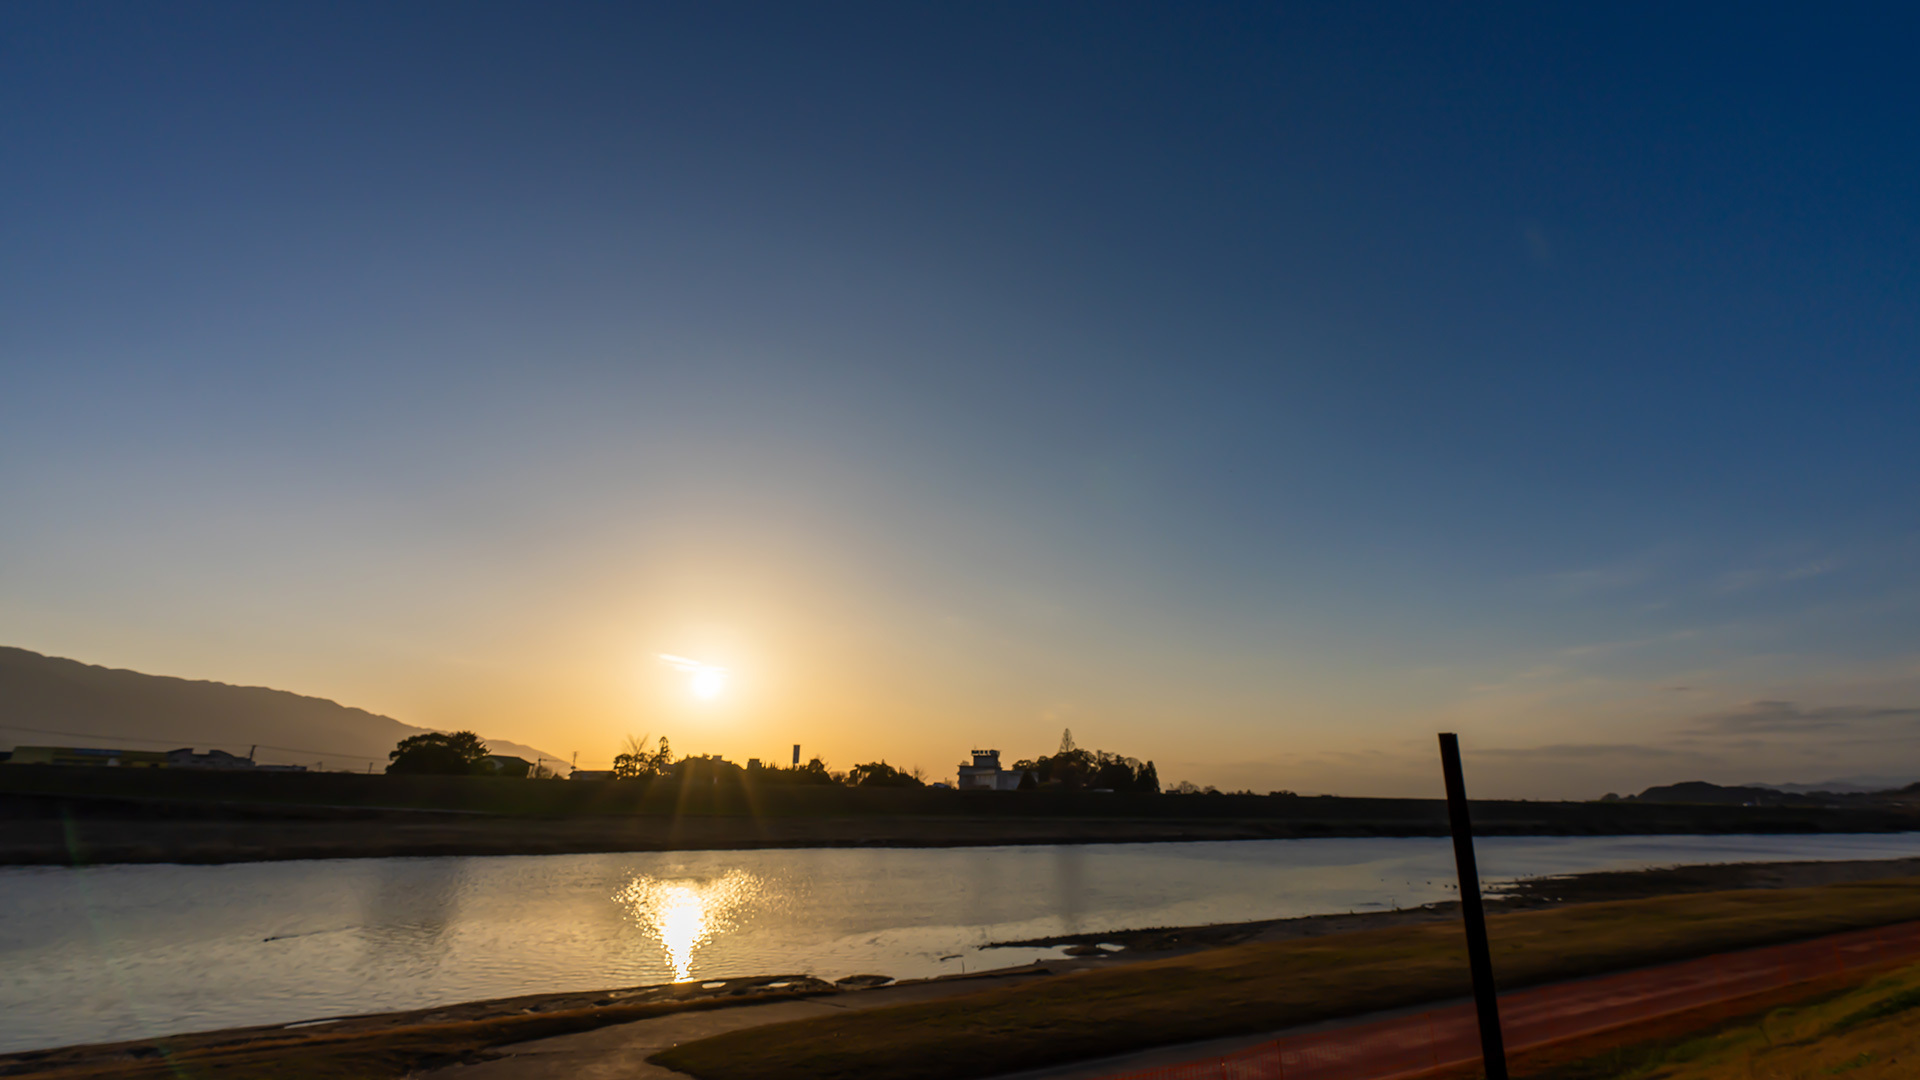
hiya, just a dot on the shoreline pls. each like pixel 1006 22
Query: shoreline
pixel 93 842
pixel 1524 894
pixel 578 1010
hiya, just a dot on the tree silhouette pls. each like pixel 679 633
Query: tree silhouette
pixel 636 762
pixel 437 753
pixel 880 774
pixel 1075 770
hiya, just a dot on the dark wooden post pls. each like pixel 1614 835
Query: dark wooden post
pixel 1493 1050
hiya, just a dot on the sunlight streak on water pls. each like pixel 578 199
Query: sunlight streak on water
pixel 685 914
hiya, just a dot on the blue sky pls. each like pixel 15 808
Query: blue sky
pixel 1253 390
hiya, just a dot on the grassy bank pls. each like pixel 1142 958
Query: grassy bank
pixel 182 792
pixel 65 815
pixel 1267 986
pixel 135 838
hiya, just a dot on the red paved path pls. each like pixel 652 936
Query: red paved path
pixel 1406 1046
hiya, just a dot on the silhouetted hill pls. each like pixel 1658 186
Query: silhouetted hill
pixel 1702 793
pixel 45 700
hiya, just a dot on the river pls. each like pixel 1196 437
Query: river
pixel 121 952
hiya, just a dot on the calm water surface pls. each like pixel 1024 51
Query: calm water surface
pixel 120 952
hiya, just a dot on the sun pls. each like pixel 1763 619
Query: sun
pixel 708 682
pixel 705 680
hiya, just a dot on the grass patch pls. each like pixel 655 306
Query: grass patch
pixel 1266 986
pixel 1885 1007
pixel 1869 1032
pixel 1667 1042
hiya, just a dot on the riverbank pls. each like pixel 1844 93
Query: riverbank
pixel 1265 986
pixel 52 818
pixel 393 1044
pixel 130 838
pixel 1527 894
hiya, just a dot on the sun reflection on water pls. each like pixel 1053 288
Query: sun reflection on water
pixel 685 914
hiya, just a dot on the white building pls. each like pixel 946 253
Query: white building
pixel 985 774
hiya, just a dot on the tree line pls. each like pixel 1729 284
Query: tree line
pixel 1075 769
pixel 462 753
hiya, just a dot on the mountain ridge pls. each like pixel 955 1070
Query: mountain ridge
pixel 1706 793
pixel 44 699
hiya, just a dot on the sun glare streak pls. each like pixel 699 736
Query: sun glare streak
pixel 705 680
pixel 684 915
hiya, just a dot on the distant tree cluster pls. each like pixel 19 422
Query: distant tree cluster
pixel 438 754
pixel 813 773
pixel 881 774
pixel 637 762
pixel 1075 769
pixel 1188 787
pixel 1069 768
pixel 713 769
pixel 704 769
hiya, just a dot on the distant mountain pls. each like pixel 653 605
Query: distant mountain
pixel 45 700
pixel 1700 791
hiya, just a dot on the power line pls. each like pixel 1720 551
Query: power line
pixel 177 741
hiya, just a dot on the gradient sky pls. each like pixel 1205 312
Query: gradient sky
pixel 1253 389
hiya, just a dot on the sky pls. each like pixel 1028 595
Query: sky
pixel 1254 389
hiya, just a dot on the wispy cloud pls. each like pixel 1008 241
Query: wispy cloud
pixel 1596 579
pixel 1787 717
pixel 1761 577
pixel 1559 752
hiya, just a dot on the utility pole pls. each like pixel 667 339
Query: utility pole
pixel 1493 1050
